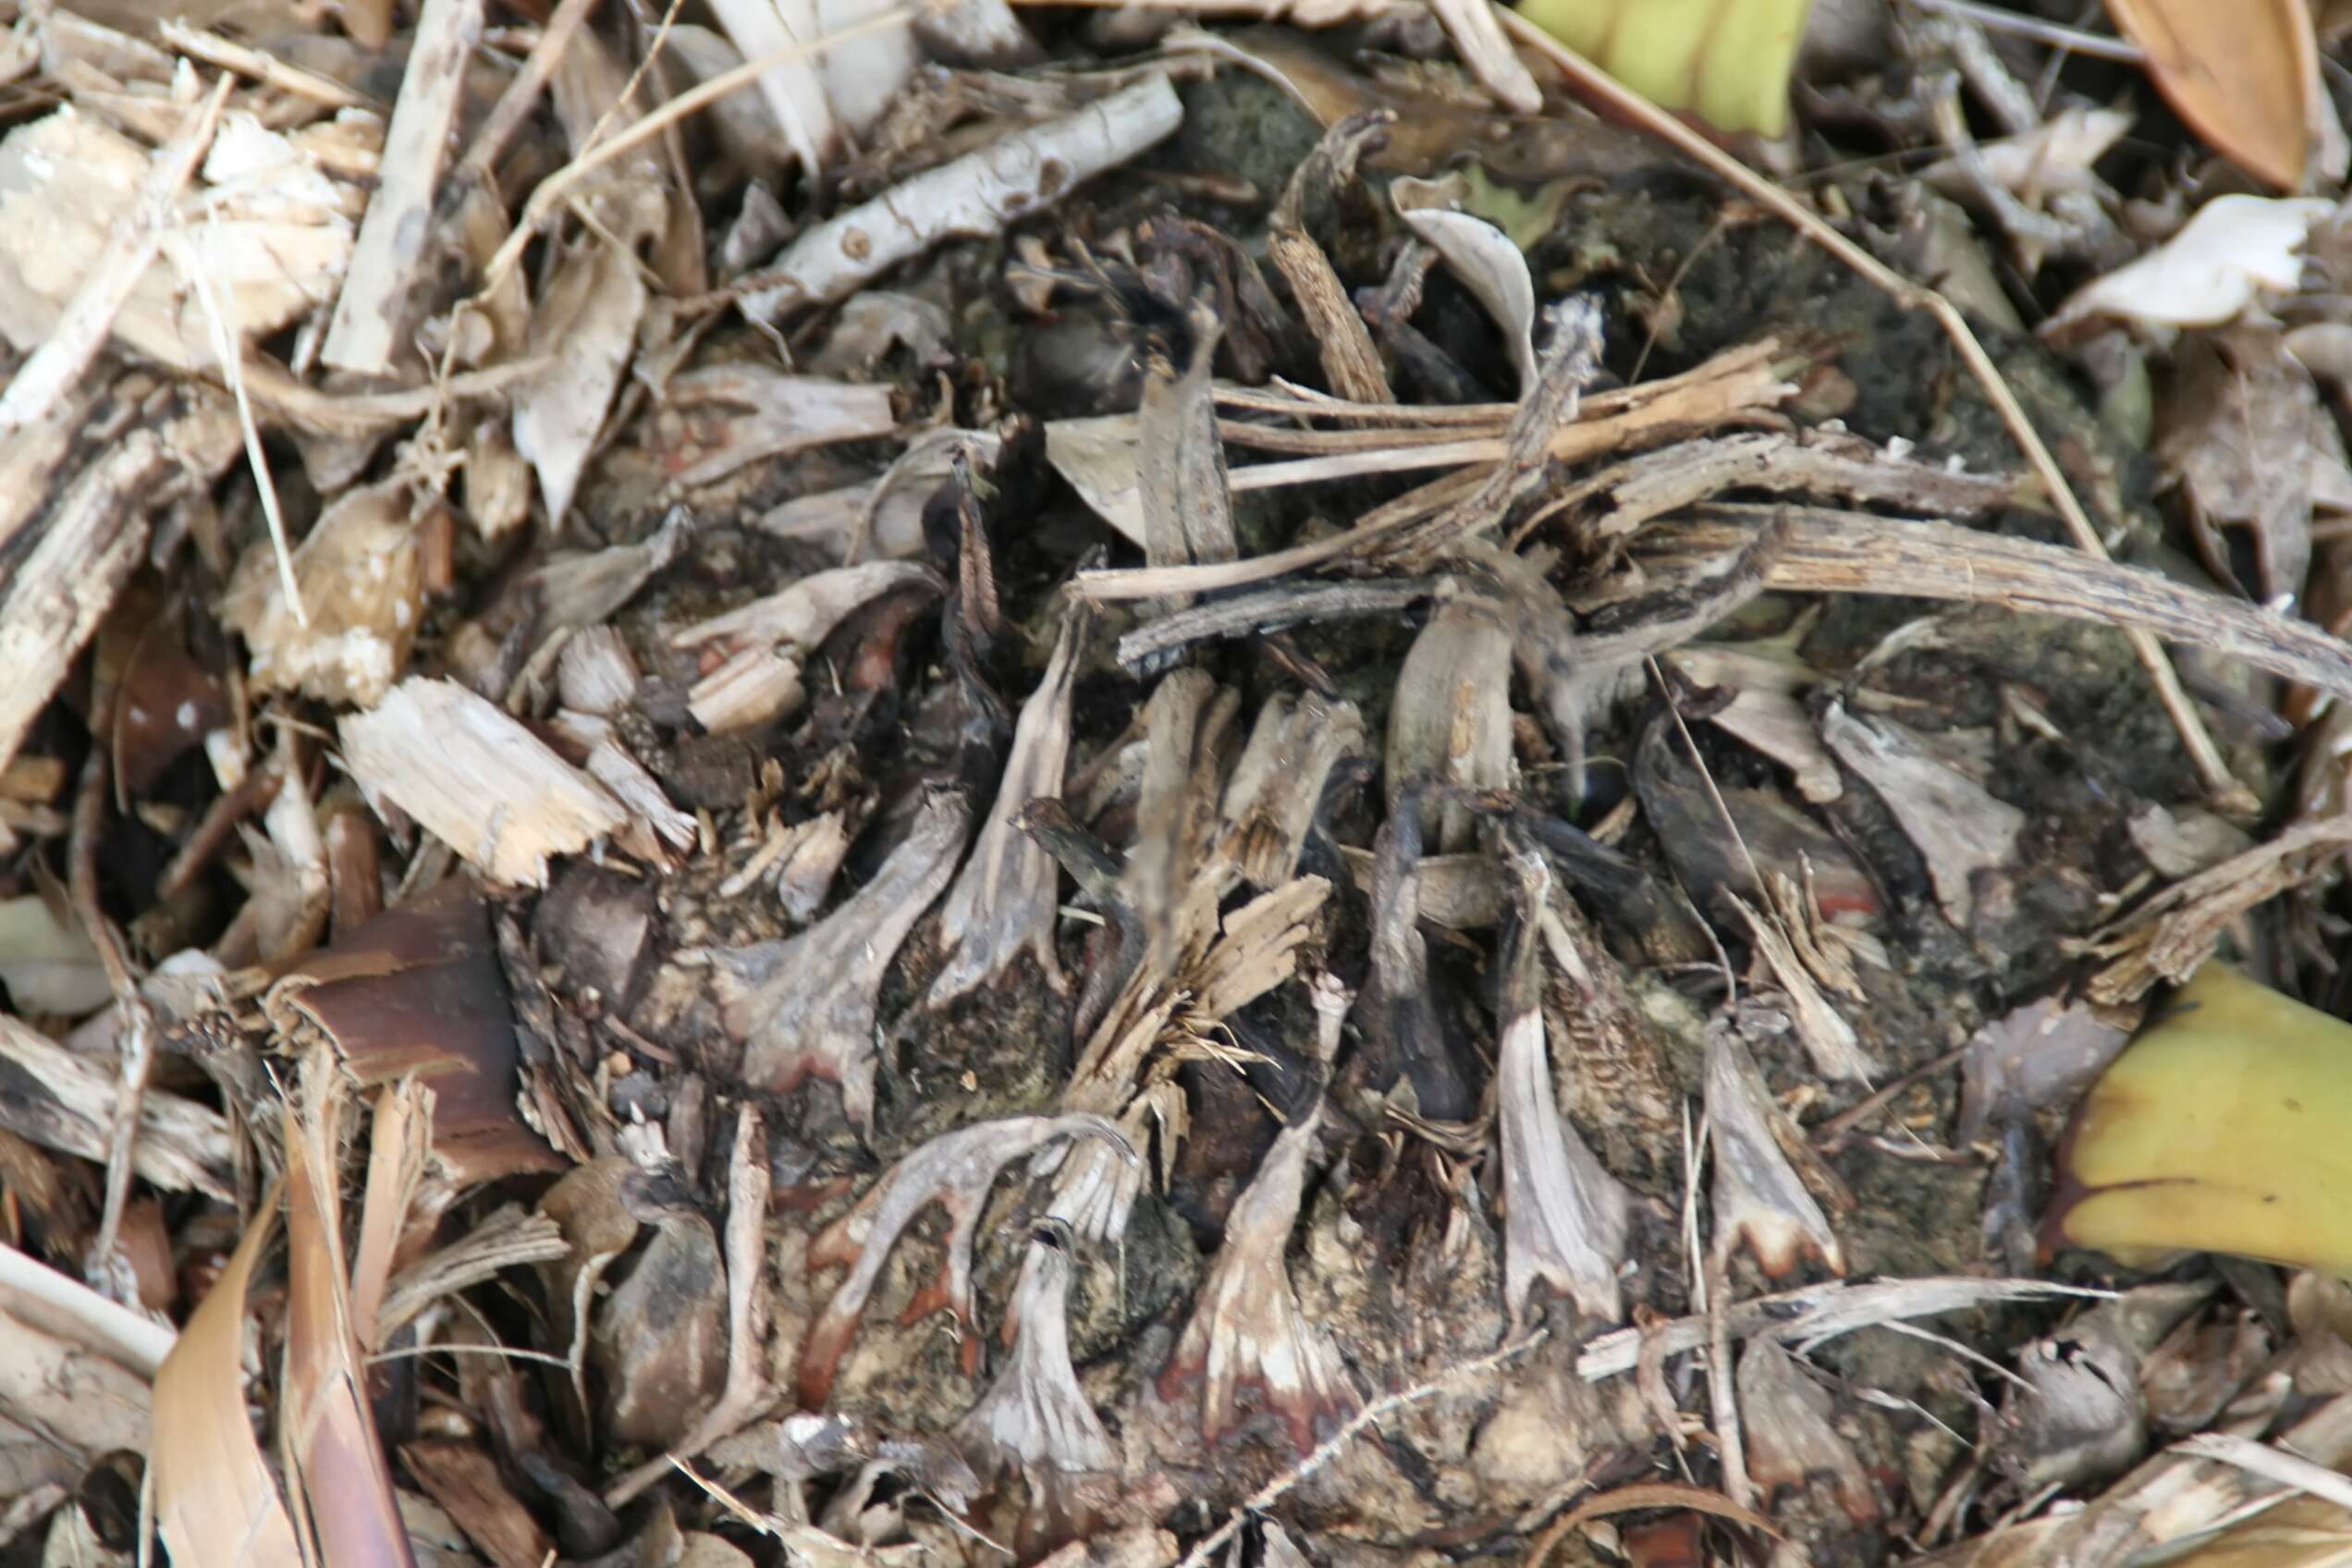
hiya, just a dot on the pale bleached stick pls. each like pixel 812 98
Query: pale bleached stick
pixel 372 316
pixel 976 194
pixel 81 331
pixel 553 192
pixel 200 43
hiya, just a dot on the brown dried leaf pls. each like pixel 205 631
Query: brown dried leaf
pixel 2242 77
pixel 419 991
pixel 215 1501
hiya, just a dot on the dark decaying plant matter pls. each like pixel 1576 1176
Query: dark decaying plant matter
pixel 1168 784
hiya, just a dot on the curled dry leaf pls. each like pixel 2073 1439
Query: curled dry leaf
pixel 2223 259
pixel 1565 1218
pixel 216 1502
pixel 1003 902
pixel 954 1171
pixel 1249 1346
pixel 2244 77
pixel 363 592
pixel 1482 256
pixel 1450 719
pixel 484 784
pixel 806 1004
pixel 1759 1198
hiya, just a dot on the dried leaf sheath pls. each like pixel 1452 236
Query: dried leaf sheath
pixel 954 1171
pixel 1564 1217
pixel 1003 902
pixel 1249 1347
pixel 326 1425
pixel 806 1004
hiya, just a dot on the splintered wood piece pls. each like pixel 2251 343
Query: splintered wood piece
pixel 376 308
pixel 483 784
pixel 93 536
pixel 418 990
pixel 67 1102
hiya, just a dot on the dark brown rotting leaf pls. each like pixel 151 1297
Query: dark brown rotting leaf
pixel 598 925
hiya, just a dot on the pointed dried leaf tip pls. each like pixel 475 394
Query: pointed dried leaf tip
pixel 1035 1415
pixel 806 1004
pixel 1564 1216
pixel 1248 1332
pixel 1004 900
pixel 1791 1434
pixel 954 1171
pixel 1759 1198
